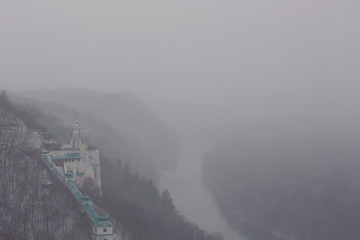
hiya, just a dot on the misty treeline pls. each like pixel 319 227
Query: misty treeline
pixel 281 182
pixel 141 208
pixel 137 208
pixel 28 210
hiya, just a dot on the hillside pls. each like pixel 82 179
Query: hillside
pixel 33 204
pixel 136 207
pixel 127 126
pixel 287 182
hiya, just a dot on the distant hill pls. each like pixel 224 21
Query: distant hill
pixel 134 132
pixel 286 181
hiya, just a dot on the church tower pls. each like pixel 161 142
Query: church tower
pixel 78 140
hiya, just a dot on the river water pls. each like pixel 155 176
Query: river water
pixel 190 198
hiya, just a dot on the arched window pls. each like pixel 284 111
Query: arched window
pixel 104 230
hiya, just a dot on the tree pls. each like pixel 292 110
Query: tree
pixel 90 188
pixel 167 200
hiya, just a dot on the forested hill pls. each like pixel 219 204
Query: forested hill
pixel 129 128
pixel 279 182
pixel 138 210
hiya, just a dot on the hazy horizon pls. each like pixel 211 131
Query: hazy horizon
pixel 205 58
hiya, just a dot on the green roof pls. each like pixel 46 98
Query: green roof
pixel 102 217
pixel 85 198
pixel 46 136
pixel 76 192
pixel 70 155
pixel 69 174
pixel 97 220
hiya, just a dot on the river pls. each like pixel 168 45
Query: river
pixel 190 198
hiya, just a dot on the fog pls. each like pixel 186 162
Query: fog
pixel 204 67
pixel 202 60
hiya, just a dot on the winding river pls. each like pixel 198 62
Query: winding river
pixel 191 199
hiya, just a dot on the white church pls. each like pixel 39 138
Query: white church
pixel 76 159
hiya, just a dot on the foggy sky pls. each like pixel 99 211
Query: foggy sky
pixel 255 57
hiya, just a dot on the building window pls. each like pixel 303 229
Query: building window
pixel 104 230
